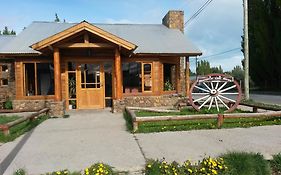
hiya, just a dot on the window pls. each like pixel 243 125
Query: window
pixel 90 76
pixel 38 79
pixel 137 77
pixel 147 77
pixel 4 75
pixel 132 77
pixel 108 84
pixel 169 77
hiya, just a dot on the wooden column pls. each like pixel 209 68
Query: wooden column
pixel 118 74
pixel 187 76
pixel 57 74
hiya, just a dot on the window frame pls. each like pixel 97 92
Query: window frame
pixel 35 79
pixel 142 79
pixel 1 76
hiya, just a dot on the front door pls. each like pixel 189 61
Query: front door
pixel 90 86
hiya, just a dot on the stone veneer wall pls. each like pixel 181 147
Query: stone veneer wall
pixel 174 19
pixel 9 90
pixel 147 101
pixel 57 109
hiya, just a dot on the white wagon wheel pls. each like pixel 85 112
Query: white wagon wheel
pixel 215 91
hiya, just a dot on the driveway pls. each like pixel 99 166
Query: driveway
pixel 90 136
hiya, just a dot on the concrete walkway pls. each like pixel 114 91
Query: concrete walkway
pixel 74 143
pixel 91 136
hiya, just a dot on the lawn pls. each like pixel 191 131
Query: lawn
pixel 19 129
pixel 5 119
pixel 162 126
pixel 184 111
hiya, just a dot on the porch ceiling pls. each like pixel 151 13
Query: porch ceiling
pixel 84 26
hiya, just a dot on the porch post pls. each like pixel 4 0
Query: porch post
pixel 118 74
pixel 187 76
pixel 57 74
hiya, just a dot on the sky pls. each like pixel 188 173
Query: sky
pixel 217 29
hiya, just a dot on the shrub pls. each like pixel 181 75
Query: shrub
pixel 99 169
pixel 276 163
pixel 246 164
pixel 20 172
pixel 61 172
pixel 208 166
pixel 8 104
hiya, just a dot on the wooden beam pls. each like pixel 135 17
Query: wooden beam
pixel 57 74
pixel 187 77
pixel 83 26
pixel 86 38
pixel 118 74
pixel 86 45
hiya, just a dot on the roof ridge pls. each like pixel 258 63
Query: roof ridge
pixel 96 23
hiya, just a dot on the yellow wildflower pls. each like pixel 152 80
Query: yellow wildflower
pixel 58 172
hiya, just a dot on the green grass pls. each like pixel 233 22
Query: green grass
pixel 162 126
pixel 184 111
pixel 276 164
pixel 6 119
pixel 246 164
pixel 21 128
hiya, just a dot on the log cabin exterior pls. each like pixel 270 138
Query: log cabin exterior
pixel 92 66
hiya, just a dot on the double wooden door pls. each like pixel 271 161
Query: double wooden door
pixel 90 86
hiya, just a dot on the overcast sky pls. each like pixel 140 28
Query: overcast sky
pixel 217 29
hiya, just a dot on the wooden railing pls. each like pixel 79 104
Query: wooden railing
pixel 220 117
pixel 6 127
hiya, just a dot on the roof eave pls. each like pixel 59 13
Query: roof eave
pixel 169 54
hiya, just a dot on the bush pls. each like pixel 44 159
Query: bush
pixel 8 104
pixel 207 166
pixel 63 172
pixel 276 163
pixel 99 169
pixel 246 164
pixel 20 172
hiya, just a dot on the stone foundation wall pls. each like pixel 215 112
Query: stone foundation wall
pixel 57 109
pixel 147 101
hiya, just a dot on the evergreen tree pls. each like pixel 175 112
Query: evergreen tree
pixel 57 19
pixel 6 31
pixel 265 43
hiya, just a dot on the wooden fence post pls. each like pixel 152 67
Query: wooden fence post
pixel 220 120
pixel 5 129
pixel 135 126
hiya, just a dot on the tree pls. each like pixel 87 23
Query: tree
pixel 57 19
pixel 238 73
pixel 6 31
pixel 204 68
pixel 265 43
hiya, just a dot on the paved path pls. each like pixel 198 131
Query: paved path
pixel 74 143
pixel 92 136
pixel 195 145
pixel 263 98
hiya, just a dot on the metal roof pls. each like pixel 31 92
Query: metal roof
pixel 5 39
pixel 150 38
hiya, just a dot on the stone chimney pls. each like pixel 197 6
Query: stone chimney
pixel 174 19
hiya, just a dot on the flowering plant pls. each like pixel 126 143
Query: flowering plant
pixel 99 169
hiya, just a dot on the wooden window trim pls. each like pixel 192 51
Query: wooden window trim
pixel 35 97
pixel 142 79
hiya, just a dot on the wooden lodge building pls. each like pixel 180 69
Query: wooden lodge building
pixel 92 66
